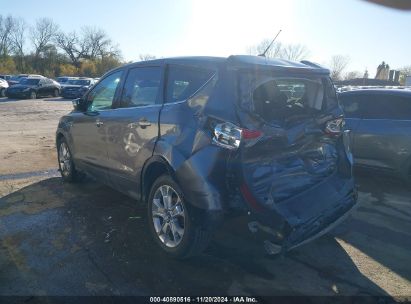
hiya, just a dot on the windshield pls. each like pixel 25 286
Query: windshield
pixel 82 82
pixel 62 79
pixel 28 81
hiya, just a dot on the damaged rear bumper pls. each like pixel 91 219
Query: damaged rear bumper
pixel 288 237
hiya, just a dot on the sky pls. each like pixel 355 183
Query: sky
pixel 367 33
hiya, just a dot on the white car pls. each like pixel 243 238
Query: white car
pixel 3 87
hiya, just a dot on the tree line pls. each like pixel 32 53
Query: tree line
pixel 337 64
pixel 43 48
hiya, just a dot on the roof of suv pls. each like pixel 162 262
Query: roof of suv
pixel 242 61
pixel 381 91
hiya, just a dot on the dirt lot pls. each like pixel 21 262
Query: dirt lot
pixel 86 239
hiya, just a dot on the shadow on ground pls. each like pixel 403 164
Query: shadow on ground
pixel 381 226
pixel 86 239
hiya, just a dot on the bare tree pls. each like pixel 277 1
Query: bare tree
pixel 98 44
pixel 337 66
pixel 352 75
pixel 275 51
pixel 404 72
pixel 295 52
pixel 146 57
pixel 18 39
pixel 74 47
pixel 7 25
pixel 42 35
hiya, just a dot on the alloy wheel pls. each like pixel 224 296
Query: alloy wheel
pixel 168 216
pixel 64 159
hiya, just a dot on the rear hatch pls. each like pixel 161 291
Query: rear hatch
pixel 292 161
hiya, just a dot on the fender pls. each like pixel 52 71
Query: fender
pixel 201 176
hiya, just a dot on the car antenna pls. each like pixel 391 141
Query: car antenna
pixel 269 46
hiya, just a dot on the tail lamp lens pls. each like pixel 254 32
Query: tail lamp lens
pixel 230 136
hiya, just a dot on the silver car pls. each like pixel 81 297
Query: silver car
pixel 380 121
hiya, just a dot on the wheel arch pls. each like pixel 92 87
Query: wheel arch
pixel 59 136
pixel 154 168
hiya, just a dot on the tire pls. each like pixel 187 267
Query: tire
pixel 190 225
pixel 56 93
pixel 33 95
pixel 2 92
pixel 66 165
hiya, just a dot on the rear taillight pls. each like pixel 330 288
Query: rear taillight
pixel 334 127
pixel 230 136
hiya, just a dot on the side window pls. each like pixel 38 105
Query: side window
pixel 182 82
pixel 141 87
pixel 385 106
pixel 351 106
pixel 401 107
pixel 375 106
pixel 101 97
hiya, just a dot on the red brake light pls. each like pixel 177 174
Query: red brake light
pixel 251 134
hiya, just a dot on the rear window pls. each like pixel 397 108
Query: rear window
pixel 279 99
pixel 183 82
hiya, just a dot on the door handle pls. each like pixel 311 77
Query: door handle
pixel 99 123
pixel 144 123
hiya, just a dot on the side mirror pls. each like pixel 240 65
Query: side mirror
pixel 79 104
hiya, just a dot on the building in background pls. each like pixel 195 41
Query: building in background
pixel 383 71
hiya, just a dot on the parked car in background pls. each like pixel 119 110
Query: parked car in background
pixel 33 87
pixel 5 77
pixel 17 78
pixel 3 87
pixel 75 88
pixel 380 121
pixel 199 138
pixel 62 80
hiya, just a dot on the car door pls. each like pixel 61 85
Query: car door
pixel 132 129
pixel 89 134
pixel 48 87
pixel 42 87
pixel 351 104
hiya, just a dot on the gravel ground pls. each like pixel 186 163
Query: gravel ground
pixel 86 239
